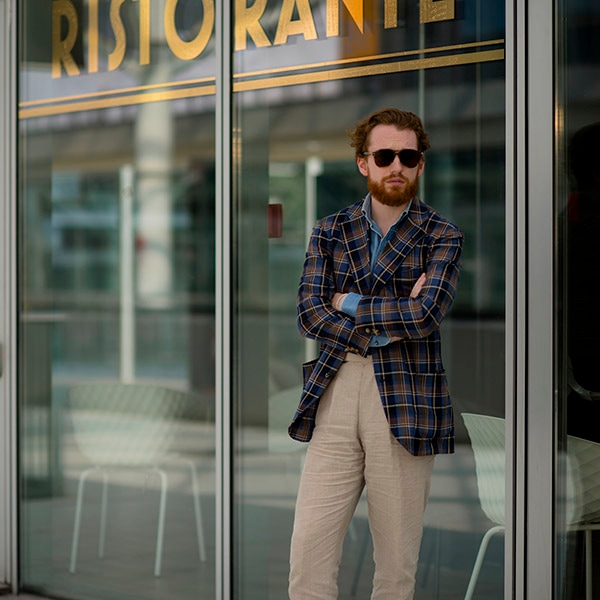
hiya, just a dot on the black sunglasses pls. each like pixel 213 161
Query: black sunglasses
pixel 384 158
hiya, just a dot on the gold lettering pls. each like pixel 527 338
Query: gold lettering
pixel 295 18
pixel 193 48
pixel 246 22
pixel 61 49
pixel 144 32
pixel 304 25
pixel 390 14
pixel 115 58
pixel 93 37
pixel 355 8
pixel 439 10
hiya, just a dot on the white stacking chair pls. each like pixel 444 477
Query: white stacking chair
pixel 487 436
pixel 128 427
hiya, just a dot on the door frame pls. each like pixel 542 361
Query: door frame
pixel 532 127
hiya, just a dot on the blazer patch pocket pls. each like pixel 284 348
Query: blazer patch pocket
pixel 433 410
pixel 433 386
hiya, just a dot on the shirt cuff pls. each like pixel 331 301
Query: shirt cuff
pixel 350 304
pixel 379 340
pixel 349 307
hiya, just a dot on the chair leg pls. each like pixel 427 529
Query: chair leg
pixel 77 524
pixel 479 561
pixel 161 520
pixel 197 511
pixel 103 508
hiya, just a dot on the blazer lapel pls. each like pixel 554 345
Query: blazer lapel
pixel 399 246
pixel 355 235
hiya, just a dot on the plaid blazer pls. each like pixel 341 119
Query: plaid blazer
pixel 409 372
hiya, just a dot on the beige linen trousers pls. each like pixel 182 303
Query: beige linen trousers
pixel 353 447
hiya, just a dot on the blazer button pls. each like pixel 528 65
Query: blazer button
pixel 327 374
pixel 367 330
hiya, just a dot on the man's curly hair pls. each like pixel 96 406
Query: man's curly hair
pixel 401 119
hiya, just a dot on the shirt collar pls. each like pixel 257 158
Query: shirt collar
pixel 366 211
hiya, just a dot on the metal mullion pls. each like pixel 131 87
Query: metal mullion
pixel 515 541
pixel 8 283
pixel 540 398
pixel 530 406
pixel 223 299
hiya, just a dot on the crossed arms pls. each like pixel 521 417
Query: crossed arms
pixel 338 300
pixel 416 316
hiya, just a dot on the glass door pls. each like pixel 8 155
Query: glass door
pixel 304 74
pixel 577 216
pixel 116 252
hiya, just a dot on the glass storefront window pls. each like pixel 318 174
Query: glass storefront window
pixel 116 253
pixel 577 214
pixel 301 81
pixel 116 298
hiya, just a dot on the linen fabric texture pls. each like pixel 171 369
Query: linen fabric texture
pixel 353 446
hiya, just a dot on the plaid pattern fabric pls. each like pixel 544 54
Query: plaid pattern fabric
pixel 409 372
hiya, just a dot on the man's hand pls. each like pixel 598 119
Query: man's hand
pixel 416 290
pixel 338 300
pixel 418 286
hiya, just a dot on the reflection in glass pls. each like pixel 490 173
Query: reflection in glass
pixel 578 217
pixel 129 426
pixel 116 270
pixel 294 152
pixel 487 436
pixel 82 320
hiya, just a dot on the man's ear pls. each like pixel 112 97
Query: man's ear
pixel 361 163
pixel 421 167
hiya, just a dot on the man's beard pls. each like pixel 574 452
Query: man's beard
pixel 397 196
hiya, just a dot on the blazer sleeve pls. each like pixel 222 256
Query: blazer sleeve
pixel 317 319
pixel 417 318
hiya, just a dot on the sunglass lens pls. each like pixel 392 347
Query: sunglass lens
pixel 409 158
pixel 384 158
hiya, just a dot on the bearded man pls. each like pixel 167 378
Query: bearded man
pixel 379 277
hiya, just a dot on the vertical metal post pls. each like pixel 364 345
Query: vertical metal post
pixel 531 403
pixel 516 286
pixel 8 285
pixel 223 299
pixel 313 168
pixel 540 401
pixel 127 310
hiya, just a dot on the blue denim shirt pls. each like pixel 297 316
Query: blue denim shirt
pixel 377 244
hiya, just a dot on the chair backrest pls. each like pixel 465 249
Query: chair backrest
pixel 581 467
pixel 124 424
pixel 584 461
pixel 487 441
